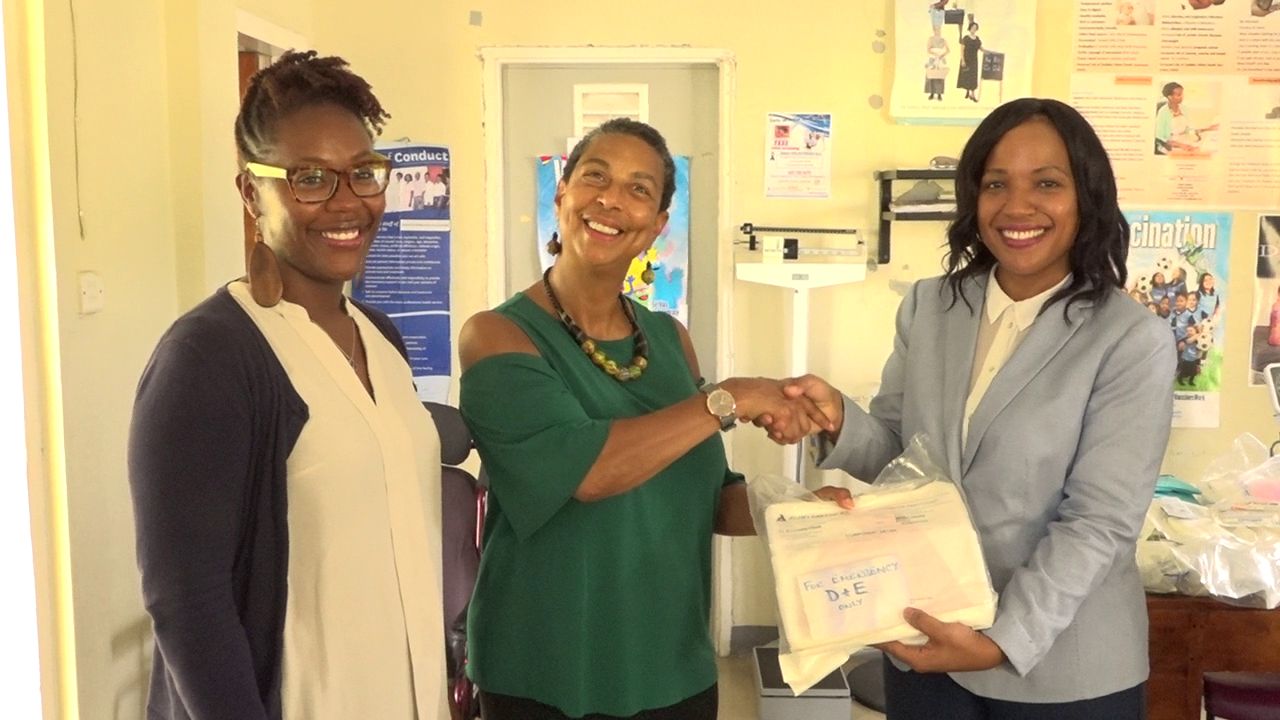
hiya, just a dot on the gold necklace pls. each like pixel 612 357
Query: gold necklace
pixel 351 356
pixel 640 359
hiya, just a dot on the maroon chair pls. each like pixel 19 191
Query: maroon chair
pixel 462 525
pixel 1242 696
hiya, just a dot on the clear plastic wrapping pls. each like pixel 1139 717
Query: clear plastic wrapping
pixel 1228 548
pixel 843 577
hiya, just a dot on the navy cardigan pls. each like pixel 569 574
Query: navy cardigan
pixel 214 421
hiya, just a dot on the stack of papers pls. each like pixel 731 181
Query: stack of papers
pixel 845 576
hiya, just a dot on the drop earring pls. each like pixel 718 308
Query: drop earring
pixel 553 245
pixel 647 276
pixel 265 284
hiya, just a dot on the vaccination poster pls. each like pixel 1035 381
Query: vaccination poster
pixel 669 254
pixel 407 272
pixel 1178 269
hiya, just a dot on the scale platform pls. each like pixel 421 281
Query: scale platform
pixel 830 699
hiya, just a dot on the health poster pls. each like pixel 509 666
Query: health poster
pixel 1178 270
pixel 407 273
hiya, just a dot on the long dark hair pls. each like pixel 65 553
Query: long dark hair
pixel 1102 238
pixel 1200 283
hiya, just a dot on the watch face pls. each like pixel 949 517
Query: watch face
pixel 720 403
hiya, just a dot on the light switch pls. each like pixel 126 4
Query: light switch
pixel 93 294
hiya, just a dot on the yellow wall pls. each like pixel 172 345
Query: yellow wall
pixel 143 161
pixel 109 134
pixel 24 43
pixel 140 101
pixel 787 60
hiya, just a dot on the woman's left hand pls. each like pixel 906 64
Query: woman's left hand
pixel 837 495
pixel 952 647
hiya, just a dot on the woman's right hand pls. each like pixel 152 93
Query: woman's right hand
pixel 825 398
pixel 787 419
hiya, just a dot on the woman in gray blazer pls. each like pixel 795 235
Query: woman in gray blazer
pixel 1048 392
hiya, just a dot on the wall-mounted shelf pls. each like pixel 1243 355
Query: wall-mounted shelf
pixel 887 216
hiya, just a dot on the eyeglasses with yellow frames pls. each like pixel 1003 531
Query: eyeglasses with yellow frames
pixel 318 184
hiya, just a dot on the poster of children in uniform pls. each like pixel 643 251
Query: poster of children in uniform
pixel 1265 347
pixel 658 278
pixel 1178 271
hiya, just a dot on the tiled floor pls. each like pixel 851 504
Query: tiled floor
pixel 738 692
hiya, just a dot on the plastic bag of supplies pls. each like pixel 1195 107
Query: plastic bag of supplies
pixel 843 577
pixel 1229 546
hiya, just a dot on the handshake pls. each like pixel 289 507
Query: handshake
pixel 789 409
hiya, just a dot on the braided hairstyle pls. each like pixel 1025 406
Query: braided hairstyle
pixel 296 81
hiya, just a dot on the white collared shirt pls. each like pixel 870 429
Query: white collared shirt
pixel 1004 323
pixel 362 635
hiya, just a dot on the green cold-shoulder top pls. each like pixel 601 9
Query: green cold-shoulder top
pixel 598 607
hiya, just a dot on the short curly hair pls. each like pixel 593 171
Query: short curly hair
pixel 641 131
pixel 296 81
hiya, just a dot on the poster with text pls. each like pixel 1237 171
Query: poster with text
pixel 668 256
pixel 1178 269
pixel 797 155
pixel 1186 98
pixel 407 273
pixel 1265 329
pixel 956 60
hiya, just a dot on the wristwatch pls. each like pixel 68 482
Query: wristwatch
pixel 720 403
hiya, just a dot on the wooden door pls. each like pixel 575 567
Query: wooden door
pixel 250 62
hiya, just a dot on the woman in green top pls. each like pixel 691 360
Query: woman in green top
pixel 606 469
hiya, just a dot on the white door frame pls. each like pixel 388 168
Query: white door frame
pixel 268 32
pixel 495 61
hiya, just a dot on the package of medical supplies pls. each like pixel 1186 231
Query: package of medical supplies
pixel 1223 541
pixel 843 577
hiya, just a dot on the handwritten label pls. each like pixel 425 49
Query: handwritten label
pixel 854 598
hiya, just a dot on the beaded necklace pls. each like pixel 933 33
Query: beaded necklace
pixel 639 362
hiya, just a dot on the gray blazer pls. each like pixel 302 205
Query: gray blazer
pixel 1058 471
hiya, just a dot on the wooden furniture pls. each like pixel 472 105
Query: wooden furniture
pixel 1241 696
pixel 1191 636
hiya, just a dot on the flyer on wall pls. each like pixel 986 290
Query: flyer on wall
pixel 797 155
pixel 668 257
pixel 407 273
pixel 956 60
pixel 1178 269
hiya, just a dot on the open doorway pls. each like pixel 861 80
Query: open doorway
pixel 253 54
pixel 258 44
